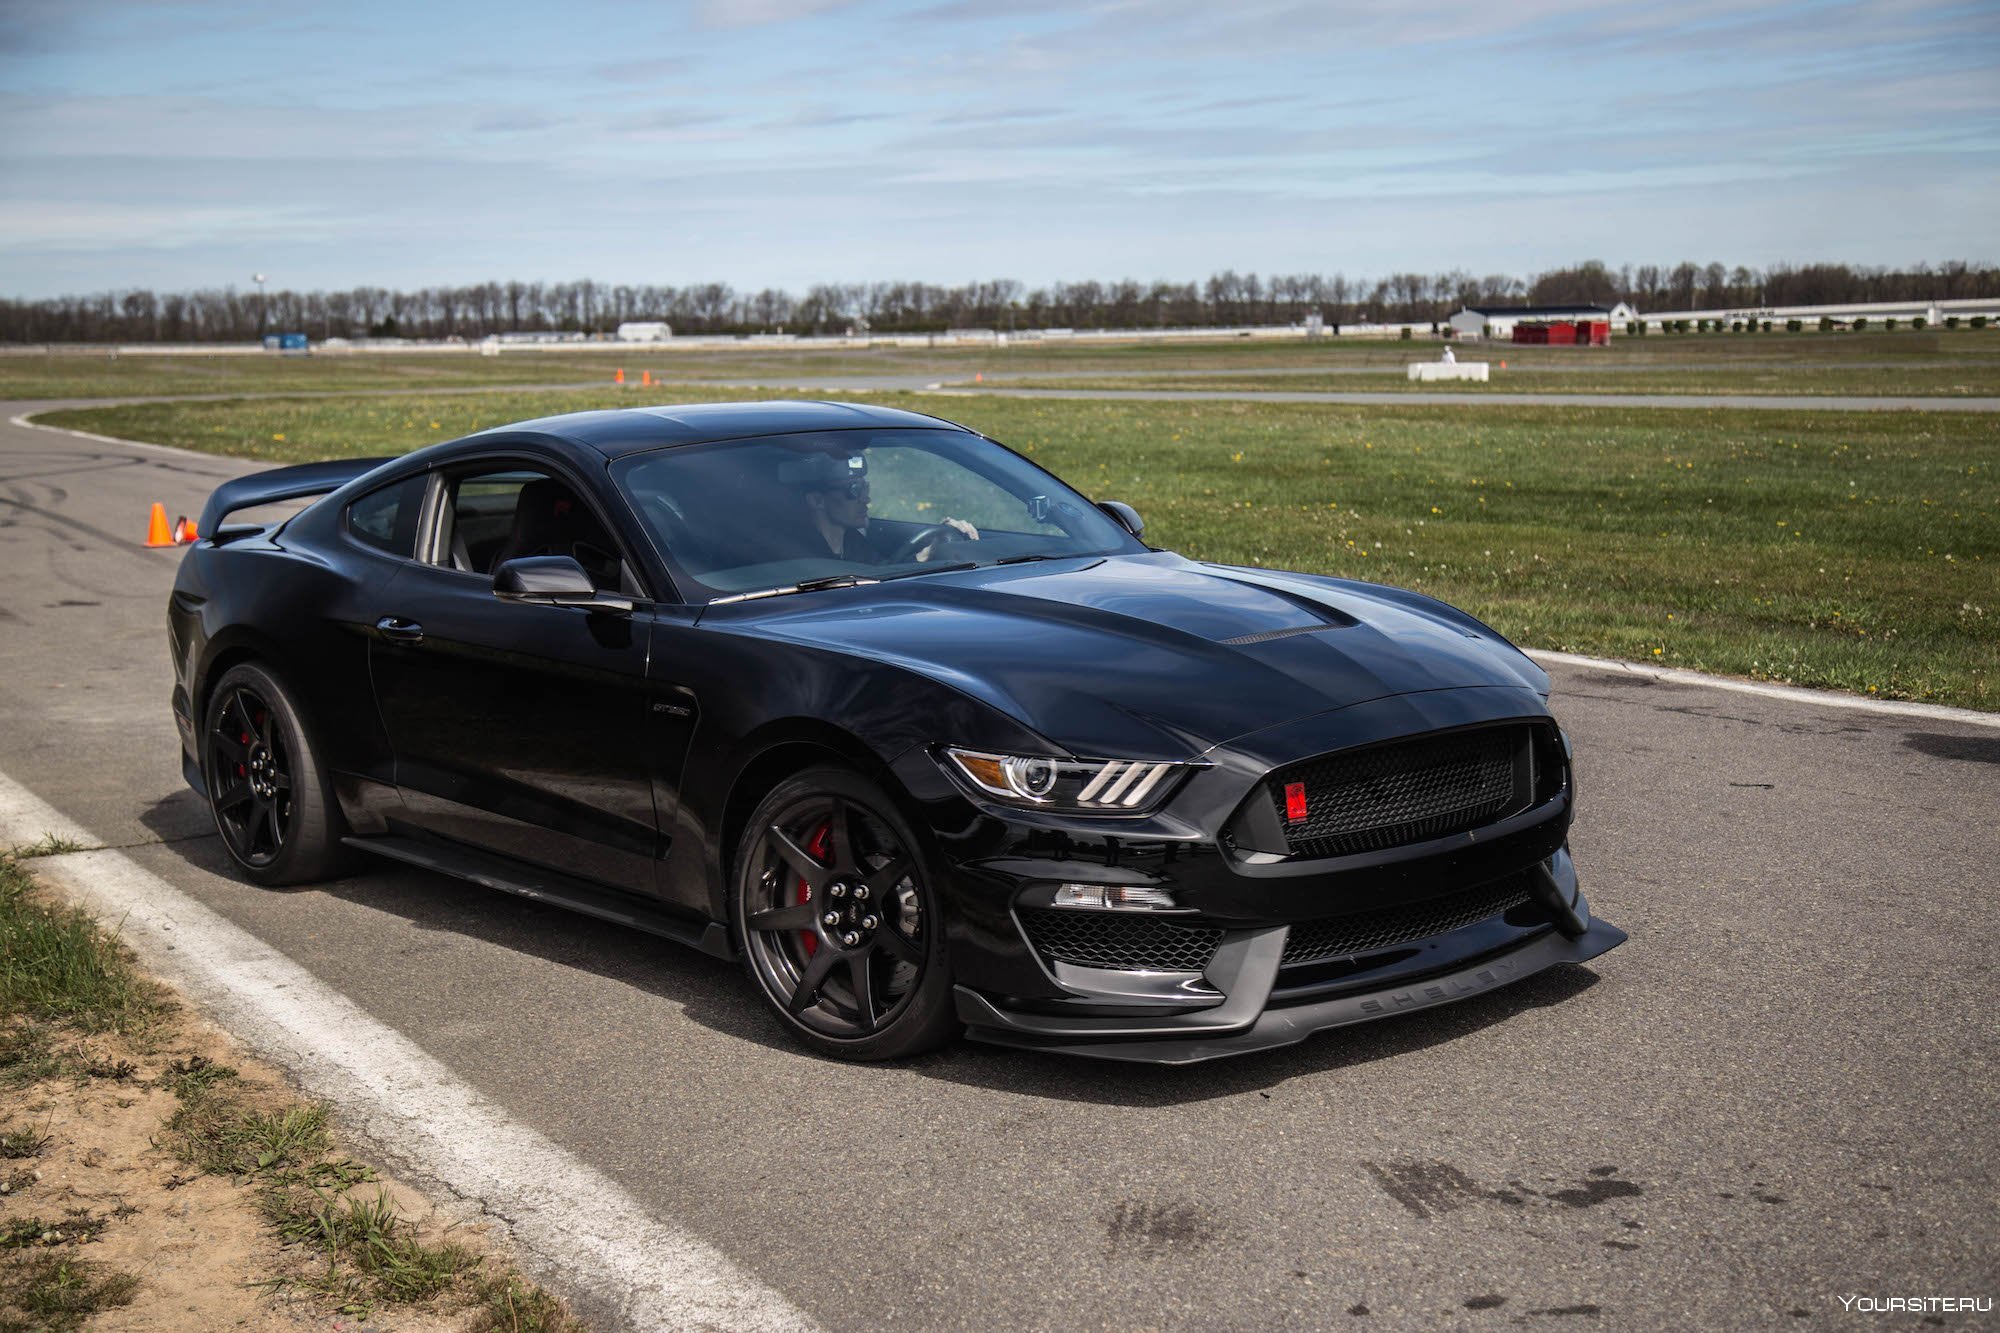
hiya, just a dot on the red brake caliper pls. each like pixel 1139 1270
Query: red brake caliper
pixel 816 845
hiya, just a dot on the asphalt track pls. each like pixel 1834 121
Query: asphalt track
pixel 996 386
pixel 1392 398
pixel 1778 1093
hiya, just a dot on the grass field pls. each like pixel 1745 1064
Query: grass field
pixel 1854 550
pixel 1907 362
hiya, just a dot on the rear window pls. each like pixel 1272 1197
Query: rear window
pixel 386 519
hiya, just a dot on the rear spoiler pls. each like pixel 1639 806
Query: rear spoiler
pixel 278 485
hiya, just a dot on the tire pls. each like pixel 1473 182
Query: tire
pixel 267 789
pixel 875 983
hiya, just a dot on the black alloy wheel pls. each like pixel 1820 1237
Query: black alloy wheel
pixel 247 753
pixel 266 788
pixel 838 922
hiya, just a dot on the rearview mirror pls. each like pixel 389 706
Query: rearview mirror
pixel 553 580
pixel 1128 517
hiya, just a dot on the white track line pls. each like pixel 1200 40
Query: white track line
pixel 1789 693
pixel 604 1244
pixel 1665 675
pixel 25 424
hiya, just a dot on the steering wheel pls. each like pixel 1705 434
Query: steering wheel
pixel 920 539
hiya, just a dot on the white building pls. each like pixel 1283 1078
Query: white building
pixel 1498 321
pixel 645 331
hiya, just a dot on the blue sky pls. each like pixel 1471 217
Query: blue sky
pixel 786 142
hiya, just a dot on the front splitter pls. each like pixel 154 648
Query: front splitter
pixel 1293 1023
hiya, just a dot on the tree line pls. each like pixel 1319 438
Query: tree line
pixel 1225 299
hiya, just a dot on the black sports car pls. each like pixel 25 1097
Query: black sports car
pixel 922 735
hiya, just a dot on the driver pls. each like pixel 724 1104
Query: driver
pixel 836 496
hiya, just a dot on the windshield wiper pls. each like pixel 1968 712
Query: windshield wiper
pixel 1024 559
pixel 831 581
pixel 804 585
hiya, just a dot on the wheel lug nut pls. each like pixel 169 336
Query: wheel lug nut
pixel 861 892
pixel 831 918
pixel 850 939
pixel 837 891
pixel 869 922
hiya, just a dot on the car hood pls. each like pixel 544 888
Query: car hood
pixel 1151 656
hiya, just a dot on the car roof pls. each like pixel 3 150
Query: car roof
pixel 626 430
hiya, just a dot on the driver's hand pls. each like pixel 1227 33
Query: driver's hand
pixel 964 530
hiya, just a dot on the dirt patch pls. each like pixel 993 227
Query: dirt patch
pixel 154 1175
pixel 110 1192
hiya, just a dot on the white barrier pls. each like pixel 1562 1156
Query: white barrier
pixel 1447 370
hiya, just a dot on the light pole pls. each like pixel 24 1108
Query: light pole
pixel 258 278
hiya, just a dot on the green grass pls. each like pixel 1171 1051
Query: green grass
pixel 217 1131
pixel 1851 550
pixel 58 966
pixel 56 1292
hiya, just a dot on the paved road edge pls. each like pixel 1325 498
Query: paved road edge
pixel 1797 694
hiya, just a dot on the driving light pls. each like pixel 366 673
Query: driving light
pixel 1114 897
pixel 1115 785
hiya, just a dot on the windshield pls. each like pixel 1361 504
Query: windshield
pixel 744 516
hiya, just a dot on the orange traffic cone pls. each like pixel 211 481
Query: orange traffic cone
pixel 646 377
pixel 618 376
pixel 157 533
pixel 184 533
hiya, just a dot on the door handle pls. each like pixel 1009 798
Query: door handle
pixel 398 630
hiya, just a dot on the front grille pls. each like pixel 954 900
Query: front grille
pixel 1129 942
pixel 1340 936
pixel 1384 796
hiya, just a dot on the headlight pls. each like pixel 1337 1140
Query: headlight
pixel 1115 785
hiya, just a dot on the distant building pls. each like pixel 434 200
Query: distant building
pixel 1498 321
pixel 645 331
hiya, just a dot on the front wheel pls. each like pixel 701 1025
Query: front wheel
pixel 839 921
pixel 267 788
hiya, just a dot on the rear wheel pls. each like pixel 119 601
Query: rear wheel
pixel 269 795
pixel 838 919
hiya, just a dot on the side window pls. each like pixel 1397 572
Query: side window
pixel 386 519
pixel 501 516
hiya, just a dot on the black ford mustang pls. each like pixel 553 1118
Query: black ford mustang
pixel 923 736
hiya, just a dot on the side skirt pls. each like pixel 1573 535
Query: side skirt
pixel 547 886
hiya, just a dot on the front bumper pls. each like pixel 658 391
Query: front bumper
pixel 1261 948
pixel 1246 971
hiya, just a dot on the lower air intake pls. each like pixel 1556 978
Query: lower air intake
pixel 1126 941
pixel 1340 936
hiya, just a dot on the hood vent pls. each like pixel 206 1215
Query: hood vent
pixel 1267 635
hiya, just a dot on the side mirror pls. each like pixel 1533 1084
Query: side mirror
pixel 1128 517
pixel 554 580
